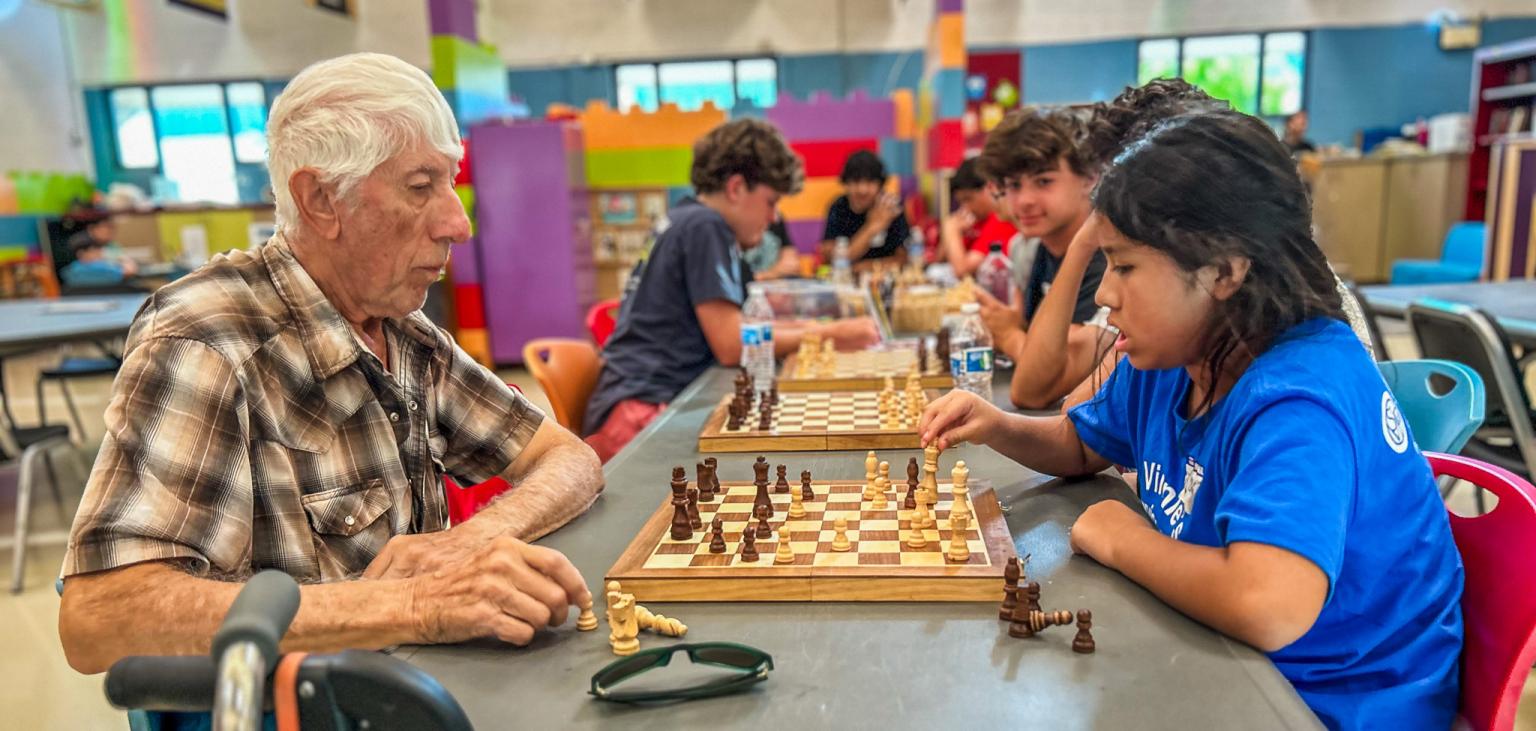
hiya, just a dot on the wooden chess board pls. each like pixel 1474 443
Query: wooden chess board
pixel 863 370
pixel 812 421
pixel 880 566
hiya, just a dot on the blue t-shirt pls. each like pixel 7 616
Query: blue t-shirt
pixel 658 346
pixel 91 273
pixel 1310 453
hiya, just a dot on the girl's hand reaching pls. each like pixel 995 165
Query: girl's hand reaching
pixel 959 416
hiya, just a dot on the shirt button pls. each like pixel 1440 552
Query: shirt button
pixel 349 520
pixel 394 416
pixel 412 406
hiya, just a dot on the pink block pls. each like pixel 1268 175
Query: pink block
pixel 806 233
pixel 466 263
pixel 452 17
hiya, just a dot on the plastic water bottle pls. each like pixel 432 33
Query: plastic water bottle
pixel 915 252
pixel 842 270
pixel 970 353
pixel 995 276
pixel 757 338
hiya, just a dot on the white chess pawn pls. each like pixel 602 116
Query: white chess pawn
pixel 840 541
pixel 880 502
pixel 785 554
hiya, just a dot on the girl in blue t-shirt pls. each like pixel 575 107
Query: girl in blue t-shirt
pixel 1283 501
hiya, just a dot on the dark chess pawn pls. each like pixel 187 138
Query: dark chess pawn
pixel 717 536
pixel 748 545
pixel 1083 642
pixel 783 483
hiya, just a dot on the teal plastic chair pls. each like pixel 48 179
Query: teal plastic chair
pixel 1442 401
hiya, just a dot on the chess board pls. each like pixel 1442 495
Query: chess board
pixel 811 421
pixel 863 370
pixel 880 566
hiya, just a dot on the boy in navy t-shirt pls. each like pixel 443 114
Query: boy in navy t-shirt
pixel 1283 501
pixel 682 308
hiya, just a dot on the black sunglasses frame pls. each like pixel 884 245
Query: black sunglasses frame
pixel 618 671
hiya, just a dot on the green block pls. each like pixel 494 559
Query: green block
pixel 650 167
pixel 467 197
pixel 458 64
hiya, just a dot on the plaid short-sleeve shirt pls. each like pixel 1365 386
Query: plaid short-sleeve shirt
pixel 249 429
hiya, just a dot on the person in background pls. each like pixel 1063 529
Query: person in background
pixel 683 311
pixel 872 221
pixel 968 234
pixel 776 257
pixel 1296 134
pixel 94 246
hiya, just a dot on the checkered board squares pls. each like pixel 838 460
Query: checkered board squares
pixel 879 566
pixel 863 370
pixel 813 421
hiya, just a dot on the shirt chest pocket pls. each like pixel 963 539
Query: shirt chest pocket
pixel 348 511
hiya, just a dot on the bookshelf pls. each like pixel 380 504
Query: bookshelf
pixel 1503 108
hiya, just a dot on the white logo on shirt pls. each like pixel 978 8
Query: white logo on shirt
pixel 1175 506
pixel 1392 425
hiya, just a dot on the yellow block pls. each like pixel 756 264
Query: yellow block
pixel 227 230
pixel 605 129
pixel 949 36
pixel 906 118
pixel 476 342
pixel 812 201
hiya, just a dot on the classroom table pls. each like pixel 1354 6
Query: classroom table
pixel 35 323
pixel 1513 303
pixel 874 665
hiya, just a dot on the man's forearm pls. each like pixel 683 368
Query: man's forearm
pixel 158 609
pixel 553 492
pixel 860 244
pixel 1044 358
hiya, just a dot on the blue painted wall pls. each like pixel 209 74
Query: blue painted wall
pixel 1078 72
pixel 573 85
pixel 1387 76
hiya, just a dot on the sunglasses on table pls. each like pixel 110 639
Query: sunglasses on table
pixel 751 663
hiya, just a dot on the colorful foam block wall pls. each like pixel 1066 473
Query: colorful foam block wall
pixel 824 131
pixel 639 149
pixel 942 99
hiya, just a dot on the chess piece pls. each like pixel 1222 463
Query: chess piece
pixel 694 520
pixel 714 475
pixel 1032 594
pixel 783 484
pixel 960 478
pixel 586 621
pixel 941 347
pixel 796 504
pixel 785 554
pixel 870 463
pixel 880 502
pixel 1018 625
pixel 748 544
pixel 806 493
pixel 717 536
pixel 885 473
pixel 659 623
pixel 915 537
pixel 1011 573
pixel 921 518
pixel 840 541
pixel 763 530
pixel 1083 642
pixel 910 502
pixel 922 355
pixel 959 548
pixel 701 478
pixel 931 473
pixel 1039 621
pixel 682 525
pixel 624 637
pixel 762 505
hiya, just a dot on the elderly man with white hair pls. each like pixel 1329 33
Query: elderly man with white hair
pixel 291 408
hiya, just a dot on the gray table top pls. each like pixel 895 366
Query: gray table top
pixel 867 665
pixel 1512 302
pixel 33 323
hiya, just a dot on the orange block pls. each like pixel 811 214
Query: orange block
pixel 812 201
pixel 949 37
pixel 906 118
pixel 606 129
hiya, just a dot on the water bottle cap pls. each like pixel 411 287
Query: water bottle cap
pixel 970 308
pixel 996 246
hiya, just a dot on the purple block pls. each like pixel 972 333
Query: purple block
pixel 452 18
pixel 806 234
pixel 825 118
pixel 908 186
pixel 466 263
pixel 949 6
pixel 536 268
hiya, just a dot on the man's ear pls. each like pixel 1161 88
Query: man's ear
pixel 735 187
pixel 1228 276
pixel 317 203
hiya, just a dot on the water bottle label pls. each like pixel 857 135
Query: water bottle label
pixel 756 334
pixel 970 360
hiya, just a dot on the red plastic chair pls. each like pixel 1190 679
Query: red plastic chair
pixel 601 320
pixel 464 502
pixel 1499 603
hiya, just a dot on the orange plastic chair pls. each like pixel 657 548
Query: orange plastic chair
pixel 567 369
pixel 601 320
